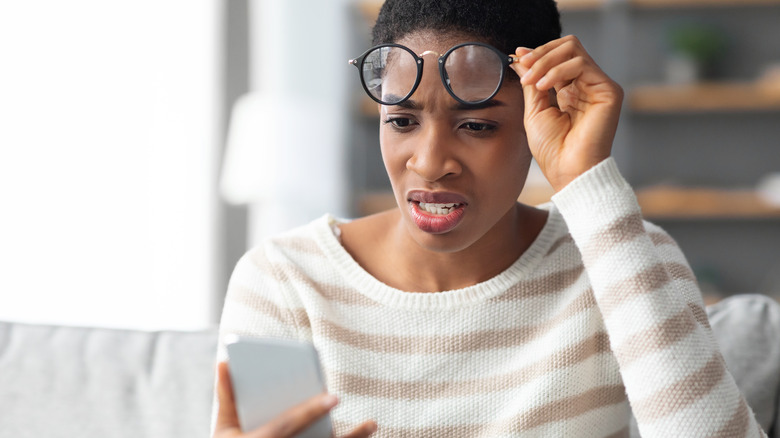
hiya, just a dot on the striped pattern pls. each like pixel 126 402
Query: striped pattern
pixel 601 310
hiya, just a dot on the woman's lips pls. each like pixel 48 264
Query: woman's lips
pixel 436 212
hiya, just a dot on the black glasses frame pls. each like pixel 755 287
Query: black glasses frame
pixel 506 61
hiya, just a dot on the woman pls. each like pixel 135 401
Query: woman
pixel 463 312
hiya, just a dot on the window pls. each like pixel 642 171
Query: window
pixel 110 120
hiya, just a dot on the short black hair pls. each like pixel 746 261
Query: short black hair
pixel 505 24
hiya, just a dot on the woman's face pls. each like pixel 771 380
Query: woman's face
pixel 456 172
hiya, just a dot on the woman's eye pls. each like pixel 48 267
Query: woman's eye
pixel 399 122
pixel 478 127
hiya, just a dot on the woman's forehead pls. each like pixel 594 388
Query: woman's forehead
pixel 438 41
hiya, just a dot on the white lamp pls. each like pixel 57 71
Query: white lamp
pixel 283 159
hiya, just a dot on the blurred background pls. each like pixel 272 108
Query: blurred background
pixel 144 146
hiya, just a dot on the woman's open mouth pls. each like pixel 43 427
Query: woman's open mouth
pixel 436 218
pixel 438 209
pixel 436 212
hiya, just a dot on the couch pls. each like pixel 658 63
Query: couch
pixel 58 382
pixel 96 383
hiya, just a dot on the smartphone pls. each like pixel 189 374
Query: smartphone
pixel 270 376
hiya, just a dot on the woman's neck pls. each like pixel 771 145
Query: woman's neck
pixel 387 251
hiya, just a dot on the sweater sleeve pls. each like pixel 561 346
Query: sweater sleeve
pixel 675 377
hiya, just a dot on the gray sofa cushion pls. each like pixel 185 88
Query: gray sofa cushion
pixel 747 328
pixel 80 382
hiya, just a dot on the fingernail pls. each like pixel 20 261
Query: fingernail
pixel 329 401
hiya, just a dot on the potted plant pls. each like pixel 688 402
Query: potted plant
pixel 694 48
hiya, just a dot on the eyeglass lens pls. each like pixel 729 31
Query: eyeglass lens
pixel 389 73
pixel 472 72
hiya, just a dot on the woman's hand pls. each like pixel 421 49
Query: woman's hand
pixel 568 137
pixel 288 424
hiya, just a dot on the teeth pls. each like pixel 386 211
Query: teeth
pixel 437 208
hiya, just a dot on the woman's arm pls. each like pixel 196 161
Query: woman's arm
pixel 675 378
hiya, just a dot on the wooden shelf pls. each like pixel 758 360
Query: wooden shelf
pixel 369 9
pixel 705 97
pixel 702 203
pixel 579 5
pixel 656 202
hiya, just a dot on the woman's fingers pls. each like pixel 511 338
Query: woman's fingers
pixel 539 66
pixel 543 63
pixel 535 100
pixel 542 50
pixel 362 431
pixel 562 74
pixel 564 67
pixel 298 418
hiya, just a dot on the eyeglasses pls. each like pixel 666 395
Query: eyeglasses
pixel 471 72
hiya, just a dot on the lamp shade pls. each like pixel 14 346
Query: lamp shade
pixel 284 155
pixel 277 148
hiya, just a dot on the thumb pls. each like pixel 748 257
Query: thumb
pixel 227 417
pixel 535 100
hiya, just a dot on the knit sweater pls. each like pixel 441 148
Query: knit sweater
pixel 601 310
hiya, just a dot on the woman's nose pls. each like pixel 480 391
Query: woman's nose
pixel 434 158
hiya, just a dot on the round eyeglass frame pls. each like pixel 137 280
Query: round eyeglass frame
pixel 506 61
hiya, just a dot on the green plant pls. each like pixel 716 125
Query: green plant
pixel 701 42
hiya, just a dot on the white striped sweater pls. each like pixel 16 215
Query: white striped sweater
pixel 601 310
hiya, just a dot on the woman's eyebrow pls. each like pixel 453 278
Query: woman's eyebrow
pixel 407 104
